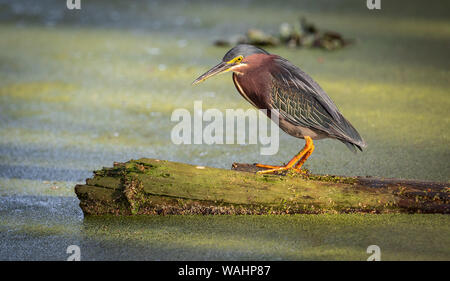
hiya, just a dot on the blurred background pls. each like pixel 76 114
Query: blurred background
pixel 80 89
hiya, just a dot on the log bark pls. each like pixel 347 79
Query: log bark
pixel 151 186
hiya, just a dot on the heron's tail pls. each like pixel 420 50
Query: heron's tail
pixel 353 146
pixel 350 137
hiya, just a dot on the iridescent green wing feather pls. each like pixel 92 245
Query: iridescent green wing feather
pixel 302 102
pixel 299 107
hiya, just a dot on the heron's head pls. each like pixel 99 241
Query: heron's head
pixel 232 61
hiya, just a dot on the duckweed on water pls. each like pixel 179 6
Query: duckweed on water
pixel 78 94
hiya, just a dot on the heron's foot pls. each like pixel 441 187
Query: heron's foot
pixel 267 166
pixel 295 164
pixel 277 169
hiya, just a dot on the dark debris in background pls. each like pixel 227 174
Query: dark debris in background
pixel 297 35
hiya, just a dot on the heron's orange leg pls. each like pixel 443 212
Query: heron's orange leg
pixel 304 158
pixel 300 158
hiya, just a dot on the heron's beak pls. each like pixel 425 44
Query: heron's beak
pixel 220 68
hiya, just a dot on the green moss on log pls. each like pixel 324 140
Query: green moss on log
pixel 151 186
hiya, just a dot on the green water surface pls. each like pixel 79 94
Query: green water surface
pixel 82 89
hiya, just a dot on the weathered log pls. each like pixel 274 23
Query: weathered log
pixel 151 186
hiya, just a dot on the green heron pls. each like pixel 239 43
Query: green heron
pixel 304 110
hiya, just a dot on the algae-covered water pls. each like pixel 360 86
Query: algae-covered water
pixel 82 89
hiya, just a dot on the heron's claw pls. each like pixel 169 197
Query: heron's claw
pixel 267 166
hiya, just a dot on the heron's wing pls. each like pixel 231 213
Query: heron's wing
pixel 299 107
pixel 302 102
pixel 287 72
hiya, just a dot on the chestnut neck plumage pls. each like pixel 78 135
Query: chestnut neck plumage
pixel 251 81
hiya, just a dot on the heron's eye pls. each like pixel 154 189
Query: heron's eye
pixel 236 60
